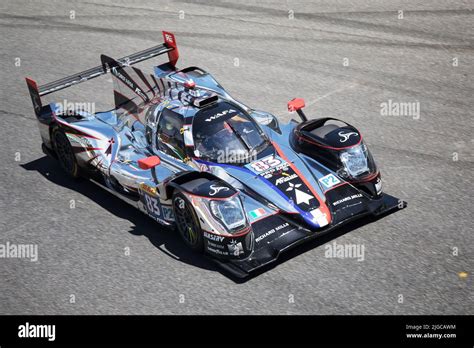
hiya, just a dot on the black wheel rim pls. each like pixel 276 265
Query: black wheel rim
pixel 64 152
pixel 185 222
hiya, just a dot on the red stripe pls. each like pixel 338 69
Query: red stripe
pixel 80 149
pixel 84 134
pixel 370 177
pixel 88 148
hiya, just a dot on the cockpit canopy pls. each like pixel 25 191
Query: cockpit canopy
pixel 224 133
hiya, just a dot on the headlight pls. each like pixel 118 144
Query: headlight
pixel 230 212
pixel 355 160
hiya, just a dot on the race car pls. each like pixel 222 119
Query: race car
pixel 232 181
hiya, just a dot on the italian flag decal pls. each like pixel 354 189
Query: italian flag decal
pixel 255 214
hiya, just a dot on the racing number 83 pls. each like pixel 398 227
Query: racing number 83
pixel 265 164
pixel 152 205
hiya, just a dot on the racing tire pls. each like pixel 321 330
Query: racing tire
pixel 64 152
pixel 187 222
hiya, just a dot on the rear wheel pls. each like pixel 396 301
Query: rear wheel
pixel 65 154
pixel 187 222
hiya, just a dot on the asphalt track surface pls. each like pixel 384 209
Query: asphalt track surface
pixel 263 58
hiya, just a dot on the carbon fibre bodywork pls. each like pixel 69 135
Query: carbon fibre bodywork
pixel 291 190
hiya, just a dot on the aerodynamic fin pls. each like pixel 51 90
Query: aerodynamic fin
pixel 35 96
pixel 170 42
pixel 132 88
pixel 36 92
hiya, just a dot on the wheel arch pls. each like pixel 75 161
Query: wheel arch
pixel 191 182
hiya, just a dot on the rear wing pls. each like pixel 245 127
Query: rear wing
pixel 36 92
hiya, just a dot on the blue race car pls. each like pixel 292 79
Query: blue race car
pixel 232 181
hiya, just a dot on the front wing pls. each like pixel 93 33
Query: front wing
pixel 277 234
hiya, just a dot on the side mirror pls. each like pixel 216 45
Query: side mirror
pixel 297 104
pixel 149 162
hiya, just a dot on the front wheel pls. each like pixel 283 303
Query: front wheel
pixel 187 222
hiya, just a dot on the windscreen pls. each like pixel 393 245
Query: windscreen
pixel 224 133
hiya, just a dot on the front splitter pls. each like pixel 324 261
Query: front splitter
pixel 270 253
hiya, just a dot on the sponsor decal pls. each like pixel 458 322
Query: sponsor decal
pixel 268 165
pixel 169 38
pixel 152 206
pixel 148 189
pixel 272 231
pixel 320 217
pixel 214 237
pixel 329 180
pixel 217 189
pixel 235 248
pixel 346 199
pixel 123 78
pixel 122 75
pixel 217 251
pixel 188 135
pixel 279 173
pixel 168 213
pixel 301 197
pixel 219 114
pixel 285 178
pixel 346 136
pixel 255 214
pixel 214 245
pixel 28 330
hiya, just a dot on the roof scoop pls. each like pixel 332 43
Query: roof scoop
pixel 197 97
